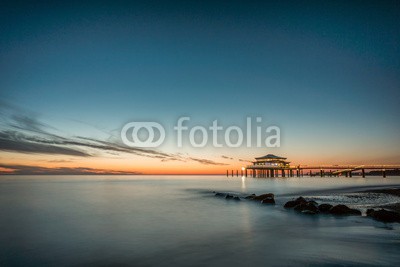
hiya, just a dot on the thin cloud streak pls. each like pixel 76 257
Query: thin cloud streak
pixel 27 169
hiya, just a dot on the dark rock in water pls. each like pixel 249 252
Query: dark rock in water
pixel 268 200
pixel 229 196
pixel 306 207
pixel 294 203
pixel 313 202
pixel 384 215
pixel 263 196
pixel 369 211
pixel 219 194
pixel 252 196
pixel 291 204
pixel 301 200
pixel 236 198
pixel 343 210
pixel 324 208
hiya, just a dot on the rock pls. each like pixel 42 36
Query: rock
pixel 263 196
pixel 301 200
pixel 228 196
pixel 369 211
pixel 306 207
pixel 218 194
pixel 343 210
pixel 290 204
pixel 236 198
pixel 384 215
pixel 268 200
pixel 294 203
pixel 252 196
pixel 324 208
pixel 313 202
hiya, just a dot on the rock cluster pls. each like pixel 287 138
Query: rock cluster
pixel 304 206
pixel 384 215
pixel 311 207
pixel 227 196
pixel 264 198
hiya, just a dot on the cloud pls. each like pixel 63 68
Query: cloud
pixel 207 161
pixel 226 157
pixel 18 142
pixel 27 169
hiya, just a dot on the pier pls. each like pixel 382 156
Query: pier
pixel 276 166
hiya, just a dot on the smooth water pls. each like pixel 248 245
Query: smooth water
pixel 177 220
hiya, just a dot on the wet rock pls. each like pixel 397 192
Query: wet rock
pixel 290 204
pixel 218 194
pixel 313 202
pixel 306 207
pixel 324 208
pixel 268 200
pixel 294 203
pixel 369 211
pixel 236 198
pixel 343 210
pixel 384 215
pixel 252 196
pixel 228 196
pixel 263 196
pixel 301 200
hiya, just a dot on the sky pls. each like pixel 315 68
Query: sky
pixel 72 74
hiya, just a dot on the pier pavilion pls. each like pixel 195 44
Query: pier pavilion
pixel 269 166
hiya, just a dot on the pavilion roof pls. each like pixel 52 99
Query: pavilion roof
pixel 270 156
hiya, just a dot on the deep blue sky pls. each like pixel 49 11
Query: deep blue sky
pixel 326 72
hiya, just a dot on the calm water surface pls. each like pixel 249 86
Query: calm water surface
pixel 177 220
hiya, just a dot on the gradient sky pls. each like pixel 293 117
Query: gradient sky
pixel 72 74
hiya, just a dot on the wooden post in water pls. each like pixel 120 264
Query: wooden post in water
pixel 232 173
pixel 350 174
pixel 227 173
pixel 384 173
pixel 272 173
pixel 320 172
pixel 363 173
pixel 245 172
pixel 237 173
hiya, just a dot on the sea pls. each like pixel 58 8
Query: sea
pixel 110 220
